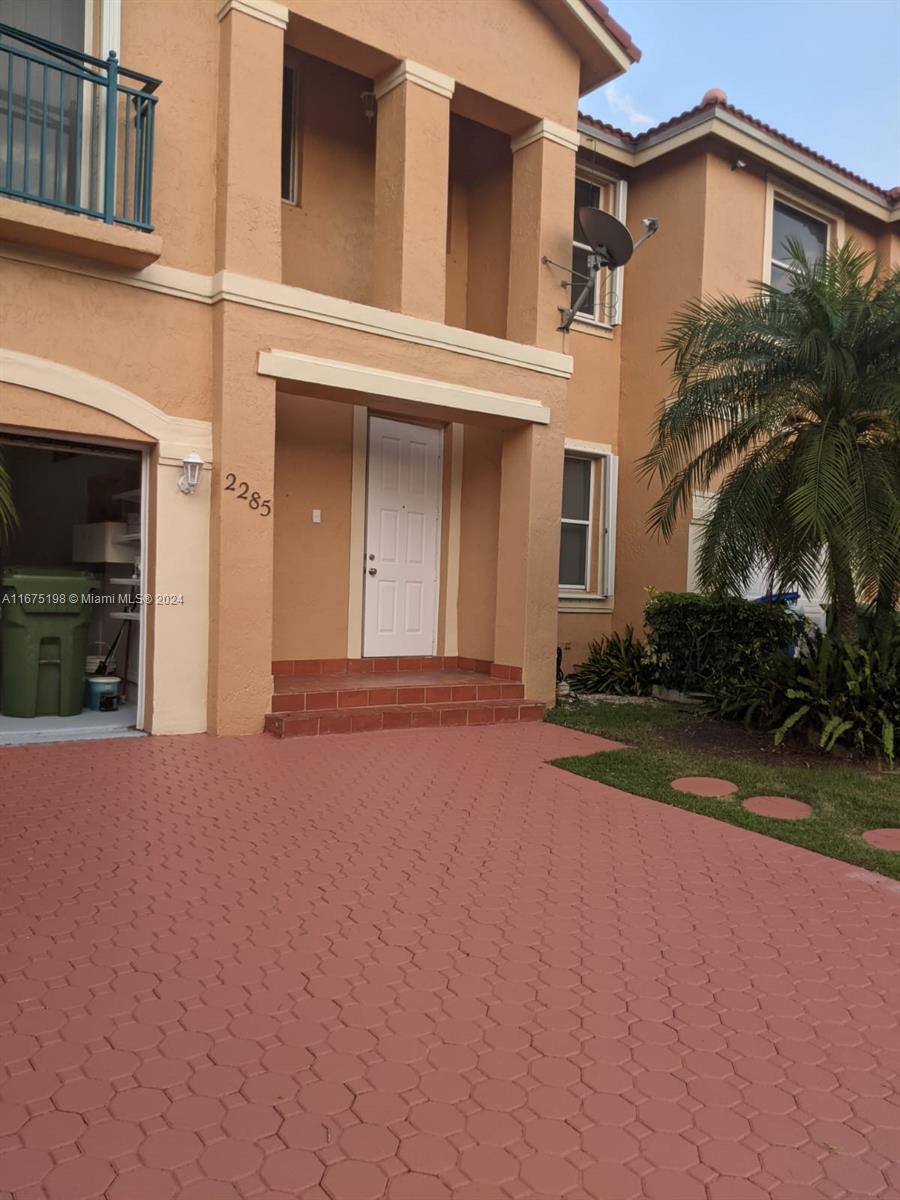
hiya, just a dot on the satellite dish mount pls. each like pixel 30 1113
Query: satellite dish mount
pixel 611 246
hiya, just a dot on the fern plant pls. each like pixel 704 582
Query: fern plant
pixel 848 695
pixel 619 665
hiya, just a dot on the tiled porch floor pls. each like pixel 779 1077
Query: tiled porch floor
pixel 422 966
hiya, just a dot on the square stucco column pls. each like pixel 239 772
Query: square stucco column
pixel 412 155
pixel 543 197
pixel 241 534
pixel 528 555
pixel 248 141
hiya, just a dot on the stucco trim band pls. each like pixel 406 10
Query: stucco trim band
pixel 314 306
pixel 177 436
pixel 262 10
pixel 551 130
pixel 326 372
pixel 413 72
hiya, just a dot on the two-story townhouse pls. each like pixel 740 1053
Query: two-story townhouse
pixel 728 191
pixel 313 400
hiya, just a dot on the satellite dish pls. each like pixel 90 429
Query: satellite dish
pixel 607 237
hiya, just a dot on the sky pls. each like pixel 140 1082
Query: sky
pixel 825 72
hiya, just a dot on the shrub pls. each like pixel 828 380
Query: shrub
pixel 843 695
pixel 619 665
pixel 715 645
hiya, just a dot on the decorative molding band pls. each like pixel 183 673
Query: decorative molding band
pixel 551 130
pixel 413 72
pixel 598 449
pixel 263 10
pixel 176 436
pixel 313 306
pixel 326 372
pixel 317 307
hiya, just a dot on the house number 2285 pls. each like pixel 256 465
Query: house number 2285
pixel 242 492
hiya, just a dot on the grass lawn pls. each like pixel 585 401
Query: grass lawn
pixel 665 742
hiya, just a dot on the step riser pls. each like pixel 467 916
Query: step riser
pixel 282 725
pixel 390 666
pixel 364 698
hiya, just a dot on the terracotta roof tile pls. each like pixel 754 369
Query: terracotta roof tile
pixel 622 36
pixel 635 140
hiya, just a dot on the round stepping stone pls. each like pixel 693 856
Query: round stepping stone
pixel 704 785
pixel 883 839
pixel 782 807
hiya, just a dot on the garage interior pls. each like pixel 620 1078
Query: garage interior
pixel 80 526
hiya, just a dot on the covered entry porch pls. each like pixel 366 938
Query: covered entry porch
pixel 414 550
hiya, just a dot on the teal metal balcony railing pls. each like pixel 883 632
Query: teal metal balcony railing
pixel 76 132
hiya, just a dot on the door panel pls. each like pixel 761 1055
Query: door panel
pixel 403 511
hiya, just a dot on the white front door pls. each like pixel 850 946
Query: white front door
pixel 402 516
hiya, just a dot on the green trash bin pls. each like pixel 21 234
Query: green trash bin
pixel 44 617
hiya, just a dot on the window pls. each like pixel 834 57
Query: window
pixel 587 533
pixel 789 223
pixel 599 303
pixel 290 133
pixel 575 538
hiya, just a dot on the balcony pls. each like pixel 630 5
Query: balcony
pixel 76 137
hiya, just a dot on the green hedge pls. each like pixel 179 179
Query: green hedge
pixel 706 644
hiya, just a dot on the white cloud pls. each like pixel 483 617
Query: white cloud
pixel 625 110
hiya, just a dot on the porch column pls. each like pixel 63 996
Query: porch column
pixel 543 198
pixel 248 147
pixel 528 555
pixel 412 154
pixel 241 531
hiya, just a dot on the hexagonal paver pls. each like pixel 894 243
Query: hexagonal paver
pixel 426 966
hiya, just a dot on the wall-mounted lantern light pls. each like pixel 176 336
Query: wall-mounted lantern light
pixel 190 476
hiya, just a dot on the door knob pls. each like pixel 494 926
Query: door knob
pixel 373 570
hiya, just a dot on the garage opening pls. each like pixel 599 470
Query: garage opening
pixel 72 573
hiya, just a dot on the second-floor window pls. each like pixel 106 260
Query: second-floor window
pixel 601 304
pixel 290 133
pixel 790 223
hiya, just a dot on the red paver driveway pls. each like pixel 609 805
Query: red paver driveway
pixel 425 965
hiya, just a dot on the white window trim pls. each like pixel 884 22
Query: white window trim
pixel 110 25
pixel 613 287
pixel 604 585
pixel 778 192
pixel 578 588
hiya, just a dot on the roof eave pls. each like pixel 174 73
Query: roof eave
pixel 605 49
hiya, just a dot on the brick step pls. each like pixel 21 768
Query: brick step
pixel 316 695
pixel 393 716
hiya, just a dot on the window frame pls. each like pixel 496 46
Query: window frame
pixel 292 64
pixel 599 586
pixel 778 192
pixel 587 522
pixel 609 294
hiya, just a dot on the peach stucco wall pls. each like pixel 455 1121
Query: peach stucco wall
pixel 476 53
pixel 157 346
pixel 313 457
pixel 663 275
pixel 478 541
pixel 182 51
pixel 28 409
pixel 327 235
pixel 478 227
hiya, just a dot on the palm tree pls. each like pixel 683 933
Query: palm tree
pixel 8 517
pixel 787 406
